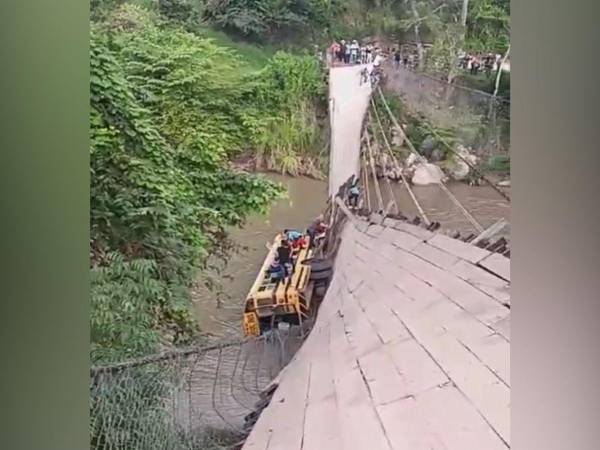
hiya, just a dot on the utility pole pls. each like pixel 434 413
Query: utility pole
pixel 499 73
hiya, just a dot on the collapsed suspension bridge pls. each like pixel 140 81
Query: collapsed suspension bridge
pixel 409 350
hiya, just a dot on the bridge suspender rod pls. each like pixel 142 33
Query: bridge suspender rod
pixel 466 213
pixel 422 159
pixel 404 180
pixel 387 180
pixel 372 164
pixel 365 172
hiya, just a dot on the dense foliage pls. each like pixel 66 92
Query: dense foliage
pixel 292 86
pixel 488 25
pixel 168 111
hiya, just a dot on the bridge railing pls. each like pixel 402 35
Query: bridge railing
pixel 192 399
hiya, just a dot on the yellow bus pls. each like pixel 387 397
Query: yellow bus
pixel 287 300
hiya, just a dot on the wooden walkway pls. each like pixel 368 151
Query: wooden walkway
pixel 410 350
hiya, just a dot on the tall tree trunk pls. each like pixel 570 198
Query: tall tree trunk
pixel 464 13
pixel 492 111
pixel 415 13
pixel 499 74
pixel 463 34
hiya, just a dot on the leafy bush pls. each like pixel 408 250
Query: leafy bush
pixel 499 164
pixel 161 192
pixel 282 112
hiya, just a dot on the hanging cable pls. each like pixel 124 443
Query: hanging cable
pixel 423 160
pixel 389 185
pixel 404 180
pixel 366 180
pixel 372 164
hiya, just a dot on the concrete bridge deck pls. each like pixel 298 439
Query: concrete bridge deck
pixel 411 346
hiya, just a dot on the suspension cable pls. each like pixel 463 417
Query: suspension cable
pixel 389 185
pixel 423 160
pixel 365 172
pixel 372 164
pixel 404 180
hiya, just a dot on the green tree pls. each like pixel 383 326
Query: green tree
pixel 162 194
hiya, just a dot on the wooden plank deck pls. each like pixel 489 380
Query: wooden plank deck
pixel 410 351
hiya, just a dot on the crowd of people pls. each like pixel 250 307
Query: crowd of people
pixel 473 63
pixel 292 241
pixel 352 52
pixel 487 63
pixel 405 60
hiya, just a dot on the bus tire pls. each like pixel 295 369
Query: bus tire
pixel 321 276
pixel 320 265
pixel 321 290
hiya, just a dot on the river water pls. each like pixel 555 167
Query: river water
pixel 306 199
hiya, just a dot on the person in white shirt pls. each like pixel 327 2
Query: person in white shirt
pixel 354 49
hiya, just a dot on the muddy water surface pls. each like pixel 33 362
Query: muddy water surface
pixel 306 200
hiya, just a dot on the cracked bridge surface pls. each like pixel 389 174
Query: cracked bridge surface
pixel 410 350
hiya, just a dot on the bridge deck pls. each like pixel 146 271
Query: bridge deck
pixel 410 350
pixel 347 106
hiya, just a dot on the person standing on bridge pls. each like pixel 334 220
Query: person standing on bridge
pixel 353 195
pixel 347 52
pixel 354 51
pixel 363 54
pixel 364 76
pixel 369 52
pixel 342 52
pixel 333 53
pixel 397 59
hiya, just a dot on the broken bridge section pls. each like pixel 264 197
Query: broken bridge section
pixel 410 350
pixel 348 102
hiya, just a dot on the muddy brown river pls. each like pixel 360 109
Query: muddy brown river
pixel 306 199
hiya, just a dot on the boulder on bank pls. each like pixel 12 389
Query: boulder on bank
pixel 457 168
pixel 397 138
pixel 427 147
pixel 437 155
pixel 410 160
pixel 427 173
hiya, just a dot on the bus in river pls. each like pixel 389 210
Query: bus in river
pixel 291 299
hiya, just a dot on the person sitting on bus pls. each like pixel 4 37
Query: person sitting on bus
pixel 284 255
pixel 295 238
pixel 276 270
pixel 316 230
pixel 292 235
pixel 299 243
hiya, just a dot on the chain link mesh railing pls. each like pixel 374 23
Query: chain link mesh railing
pixel 481 121
pixel 194 399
